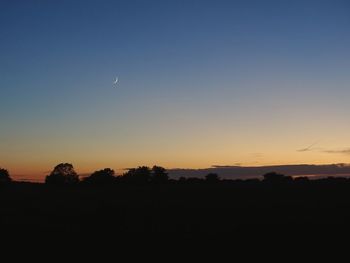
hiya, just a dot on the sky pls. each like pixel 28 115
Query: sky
pixel 201 83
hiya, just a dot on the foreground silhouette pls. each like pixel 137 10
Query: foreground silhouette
pixel 102 177
pixel 4 176
pixel 145 200
pixel 63 174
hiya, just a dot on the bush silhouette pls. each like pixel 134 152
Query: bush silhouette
pixel 101 177
pixel 4 176
pixel 62 174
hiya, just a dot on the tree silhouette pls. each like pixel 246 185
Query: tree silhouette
pixel 274 177
pixel 139 175
pixel 63 173
pixel 182 179
pixel 4 176
pixel 302 179
pixel 105 176
pixel 159 175
pixel 212 178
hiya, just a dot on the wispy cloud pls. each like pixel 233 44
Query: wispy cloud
pixel 309 148
pixel 323 150
pixel 341 151
pixel 227 166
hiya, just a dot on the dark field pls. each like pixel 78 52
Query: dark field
pixel 173 208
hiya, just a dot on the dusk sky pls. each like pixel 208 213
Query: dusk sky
pixel 201 83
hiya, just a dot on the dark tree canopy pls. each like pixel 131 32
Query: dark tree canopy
pixel 139 175
pixel 212 178
pixel 159 174
pixel 274 177
pixel 105 176
pixel 144 175
pixel 63 173
pixel 182 179
pixel 4 176
pixel 302 179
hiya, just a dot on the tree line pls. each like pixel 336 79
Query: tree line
pixel 65 174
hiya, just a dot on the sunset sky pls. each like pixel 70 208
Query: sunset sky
pixel 201 83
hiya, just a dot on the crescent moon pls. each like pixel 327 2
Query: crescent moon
pixel 116 81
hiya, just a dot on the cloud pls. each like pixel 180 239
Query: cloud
pixel 309 148
pixel 227 166
pixel 343 151
pixel 323 150
pixel 304 150
pixel 247 172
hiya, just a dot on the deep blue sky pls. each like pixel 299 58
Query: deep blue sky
pixel 201 82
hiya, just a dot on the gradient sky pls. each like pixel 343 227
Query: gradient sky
pixel 200 83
